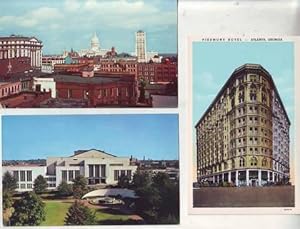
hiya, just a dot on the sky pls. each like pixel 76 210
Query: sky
pixel 66 24
pixel 214 62
pixel 39 136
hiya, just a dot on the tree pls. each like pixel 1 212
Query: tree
pixel 141 179
pixel 40 184
pixel 169 193
pixel 64 189
pixel 79 186
pixel 142 85
pixel 7 200
pixel 9 183
pixel 124 181
pixel 29 210
pixel 158 200
pixel 78 214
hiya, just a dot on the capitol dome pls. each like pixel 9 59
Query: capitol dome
pixel 95 44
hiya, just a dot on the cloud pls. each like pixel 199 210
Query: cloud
pixel 39 16
pixel 72 5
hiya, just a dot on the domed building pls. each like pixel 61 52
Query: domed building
pixel 95 49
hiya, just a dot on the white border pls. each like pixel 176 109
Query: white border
pixel 190 146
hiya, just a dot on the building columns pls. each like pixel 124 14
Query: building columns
pixel 237 178
pixel 229 177
pixel 259 177
pixel 247 177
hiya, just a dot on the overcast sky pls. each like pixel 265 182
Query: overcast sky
pixel 66 24
pixel 40 136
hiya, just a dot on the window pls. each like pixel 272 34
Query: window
pixel 264 162
pixel 29 186
pixel 253 161
pixel 77 173
pixel 16 175
pixel 242 162
pixel 122 172
pixel 116 175
pixel 29 175
pixel 64 175
pixel 71 175
pixel 232 163
pixel 91 170
pixel 22 175
pixel 103 174
pixel 97 171
pixel 23 186
pixel 129 174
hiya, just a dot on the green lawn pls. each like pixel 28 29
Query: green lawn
pixel 56 212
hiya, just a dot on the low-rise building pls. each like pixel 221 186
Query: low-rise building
pixel 157 72
pixel 97 166
pixel 45 84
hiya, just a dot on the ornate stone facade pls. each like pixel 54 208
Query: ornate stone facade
pixel 243 137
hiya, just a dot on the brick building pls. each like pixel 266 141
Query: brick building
pixel 157 72
pixel 97 90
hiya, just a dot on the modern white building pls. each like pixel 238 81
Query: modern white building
pixel 97 166
pixel 140 46
pixel 45 85
pixel 25 175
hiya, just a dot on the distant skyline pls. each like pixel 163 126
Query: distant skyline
pixel 65 24
pixel 40 136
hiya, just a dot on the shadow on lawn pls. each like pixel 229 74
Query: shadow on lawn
pixel 121 222
pixel 114 211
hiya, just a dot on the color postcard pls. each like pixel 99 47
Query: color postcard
pixel 104 169
pixel 243 125
pixel 87 54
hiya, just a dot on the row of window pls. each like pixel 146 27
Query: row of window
pixel 23 175
pixel 97 171
pixel 69 175
pixel 121 173
pixel 24 186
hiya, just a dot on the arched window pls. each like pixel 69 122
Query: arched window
pixel 242 162
pixel 264 162
pixel 253 161
pixel 252 92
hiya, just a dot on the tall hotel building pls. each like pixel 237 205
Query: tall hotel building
pixel 140 46
pixel 21 47
pixel 243 136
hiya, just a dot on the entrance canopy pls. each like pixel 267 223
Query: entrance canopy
pixel 123 192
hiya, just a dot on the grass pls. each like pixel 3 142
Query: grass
pixel 56 212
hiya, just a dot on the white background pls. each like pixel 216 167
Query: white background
pixel 228 18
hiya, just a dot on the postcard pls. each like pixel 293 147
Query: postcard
pixel 86 54
pixel 104 169
pixel 243 125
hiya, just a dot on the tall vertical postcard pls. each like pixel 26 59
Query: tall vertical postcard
pixel 243 125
